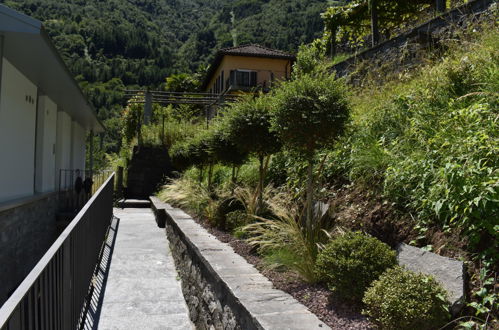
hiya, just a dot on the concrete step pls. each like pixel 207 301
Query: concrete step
pixel 134 203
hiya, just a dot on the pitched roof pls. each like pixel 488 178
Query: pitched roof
pixel 255 50
pixel 250 50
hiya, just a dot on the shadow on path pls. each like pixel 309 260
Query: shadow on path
pixel 100 279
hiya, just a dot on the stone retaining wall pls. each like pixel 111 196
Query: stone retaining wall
pixel 27 229
pixel 405 46
pixel 221 289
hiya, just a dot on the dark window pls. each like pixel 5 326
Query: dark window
pixel 243 78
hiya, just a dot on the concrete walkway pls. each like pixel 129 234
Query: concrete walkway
pixel 142 289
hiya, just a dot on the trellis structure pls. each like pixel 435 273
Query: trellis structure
pixel 148 98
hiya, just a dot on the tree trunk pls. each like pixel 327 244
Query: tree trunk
pixel 333 43
pixel 310 193
pixel 374 22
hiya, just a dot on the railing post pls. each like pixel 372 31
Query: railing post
pixel 66 285
pixel 148 107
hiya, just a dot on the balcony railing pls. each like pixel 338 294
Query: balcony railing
pixel 72 198
pixel 54 294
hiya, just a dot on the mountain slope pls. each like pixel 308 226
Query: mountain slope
pixel 110 44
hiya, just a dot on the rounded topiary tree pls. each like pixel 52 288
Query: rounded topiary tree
pixel 247 124
pixel 350 263
pixel 404 300
pixel 225 150
pixel 198 149
pixel 179 156
pixel 192 152
pixel 310 112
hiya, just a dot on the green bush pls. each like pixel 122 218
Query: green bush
pixel 237 219
pixel 401 300
pixel 351 262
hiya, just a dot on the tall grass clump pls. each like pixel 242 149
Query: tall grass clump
pixel 186 193
pixel 284 240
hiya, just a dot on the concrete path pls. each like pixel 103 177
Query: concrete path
pixel 142 289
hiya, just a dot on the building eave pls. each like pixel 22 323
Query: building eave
pixel 28 47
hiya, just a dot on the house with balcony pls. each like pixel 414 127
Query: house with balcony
pixel 44 123
pixel 247 68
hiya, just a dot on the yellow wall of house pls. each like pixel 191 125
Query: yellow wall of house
pixel 263 66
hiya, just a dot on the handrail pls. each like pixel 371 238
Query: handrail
pixel 54 292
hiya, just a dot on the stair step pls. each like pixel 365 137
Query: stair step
pixel 134 203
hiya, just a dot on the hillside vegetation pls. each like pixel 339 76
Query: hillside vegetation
pixel 418 162
pixel 110 45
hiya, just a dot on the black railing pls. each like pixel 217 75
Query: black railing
pixel 72 196
pixel 55 292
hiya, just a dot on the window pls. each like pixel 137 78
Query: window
pixel 243 78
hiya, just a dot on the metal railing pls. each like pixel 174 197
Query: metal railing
pixel 70 199
pixel 55 292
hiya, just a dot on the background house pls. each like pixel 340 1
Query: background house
pixel 246 68
pixel 44 122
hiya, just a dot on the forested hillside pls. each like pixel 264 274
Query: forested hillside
pixel 142 42
pixel 112 44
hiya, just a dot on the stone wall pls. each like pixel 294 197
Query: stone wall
pixel 221 289
pixel 205 309
pixel 27 229
pixel 147 170
pixel 403 51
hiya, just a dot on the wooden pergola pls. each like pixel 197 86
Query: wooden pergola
pixel 148 98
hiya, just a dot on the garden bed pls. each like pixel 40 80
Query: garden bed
pixel 317 298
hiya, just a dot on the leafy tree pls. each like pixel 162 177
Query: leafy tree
pixel 182 82
pixel 248 124
pixel 225 150
pixel 310 112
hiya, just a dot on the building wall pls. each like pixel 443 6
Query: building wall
pixel 78 137
pixel 45 145
pixel 17 133
pixel 264 66
pixel 63 145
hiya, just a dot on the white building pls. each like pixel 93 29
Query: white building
pixel 44 116
pixel 44 122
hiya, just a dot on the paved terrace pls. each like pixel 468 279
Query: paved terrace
pixel 138 286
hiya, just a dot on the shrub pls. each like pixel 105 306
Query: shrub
pixel 225 206
pixel 402 299
pixel 237 219
pixel 350 263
